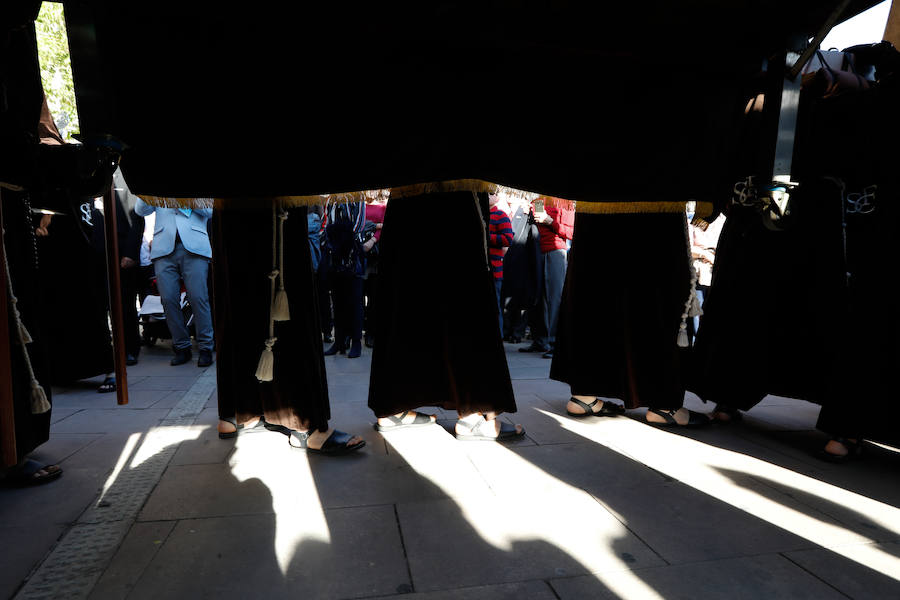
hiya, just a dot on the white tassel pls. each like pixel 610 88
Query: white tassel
pixel 265 371
pixel 696 309
pixel 280 310
pixel 39 402
pixel 682 335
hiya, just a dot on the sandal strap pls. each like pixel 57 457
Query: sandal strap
pixel 588 408
pixel 302 438
pixel 667 414
pixel 470 427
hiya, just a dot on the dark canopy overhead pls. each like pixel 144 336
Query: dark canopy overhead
pixel 585 100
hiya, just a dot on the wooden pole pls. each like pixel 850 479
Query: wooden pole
pixel 892 28
pixel 8 456
pixel 110 205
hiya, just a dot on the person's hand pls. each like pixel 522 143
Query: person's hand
pixel 126 262
pixel 543 218
pixel 369 244
pixel 377 225
pixel 41 230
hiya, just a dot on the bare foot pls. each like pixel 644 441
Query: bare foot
pixel 681 417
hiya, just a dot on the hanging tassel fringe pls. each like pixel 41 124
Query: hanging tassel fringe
pixel 265 370
pixel 39 402
pixel 682 336
pixel 696 310
pixel 280 311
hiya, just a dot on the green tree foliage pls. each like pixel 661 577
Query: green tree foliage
pixel 56 67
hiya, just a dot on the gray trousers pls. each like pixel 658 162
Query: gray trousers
pixel 193 269
pixel 554 279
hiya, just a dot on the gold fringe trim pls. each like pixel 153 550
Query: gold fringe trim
pixel 419 189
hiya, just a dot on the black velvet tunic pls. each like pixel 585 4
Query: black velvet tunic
pixel 626 286
pixel 437 334
pixel 297 398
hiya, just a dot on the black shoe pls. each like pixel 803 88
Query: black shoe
pixel 533 348
pixel 205 359
pixel 355 349
pixel 130 359
pixel 327 339
pixel 547 354
pixel 368 341
pixel 181 357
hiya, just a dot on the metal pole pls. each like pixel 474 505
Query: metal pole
pixel 115 292
pixel 8 456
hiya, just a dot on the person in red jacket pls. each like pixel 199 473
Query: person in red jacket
pixel 500 237
pixel 556 223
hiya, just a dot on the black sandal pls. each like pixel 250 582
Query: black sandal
pixel 337 443
pixel 507 432
pixel 695 419
pixel 421 420
pixel 260 425
pixel 854 450
pixel 28 474
pixel 108 385
pixel 607 409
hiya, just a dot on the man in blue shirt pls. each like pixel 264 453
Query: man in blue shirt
pixel 181 251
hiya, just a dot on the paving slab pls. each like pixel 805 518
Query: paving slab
pixel 137 398
pixel 342 391
pixel 862 571
pixel 168 383
pixel 553 392
pixel 134 555
pixel 111 420
pixel 529 372
pixel 530 590
pixel 477 541
pixel 536 470
pixel 206 449
pixel 31 544
pixel 58 503
pixel 772 577
pixel 209 558
pixel 62 446
pixel 60 413
pixel 204 490
pixel 685 525
pixel 96 451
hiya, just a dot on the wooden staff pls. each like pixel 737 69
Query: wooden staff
pixel 8 456
pixel 110 204
pixel 892 28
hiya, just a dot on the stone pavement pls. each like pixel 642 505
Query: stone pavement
pixel 152 504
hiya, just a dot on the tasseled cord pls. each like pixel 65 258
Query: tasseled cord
pixel 39 402
pixel 280 309
pixel 692 304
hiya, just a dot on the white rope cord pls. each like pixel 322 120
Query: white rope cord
pixel 280 309
pixel 39 402
pixel 265 370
